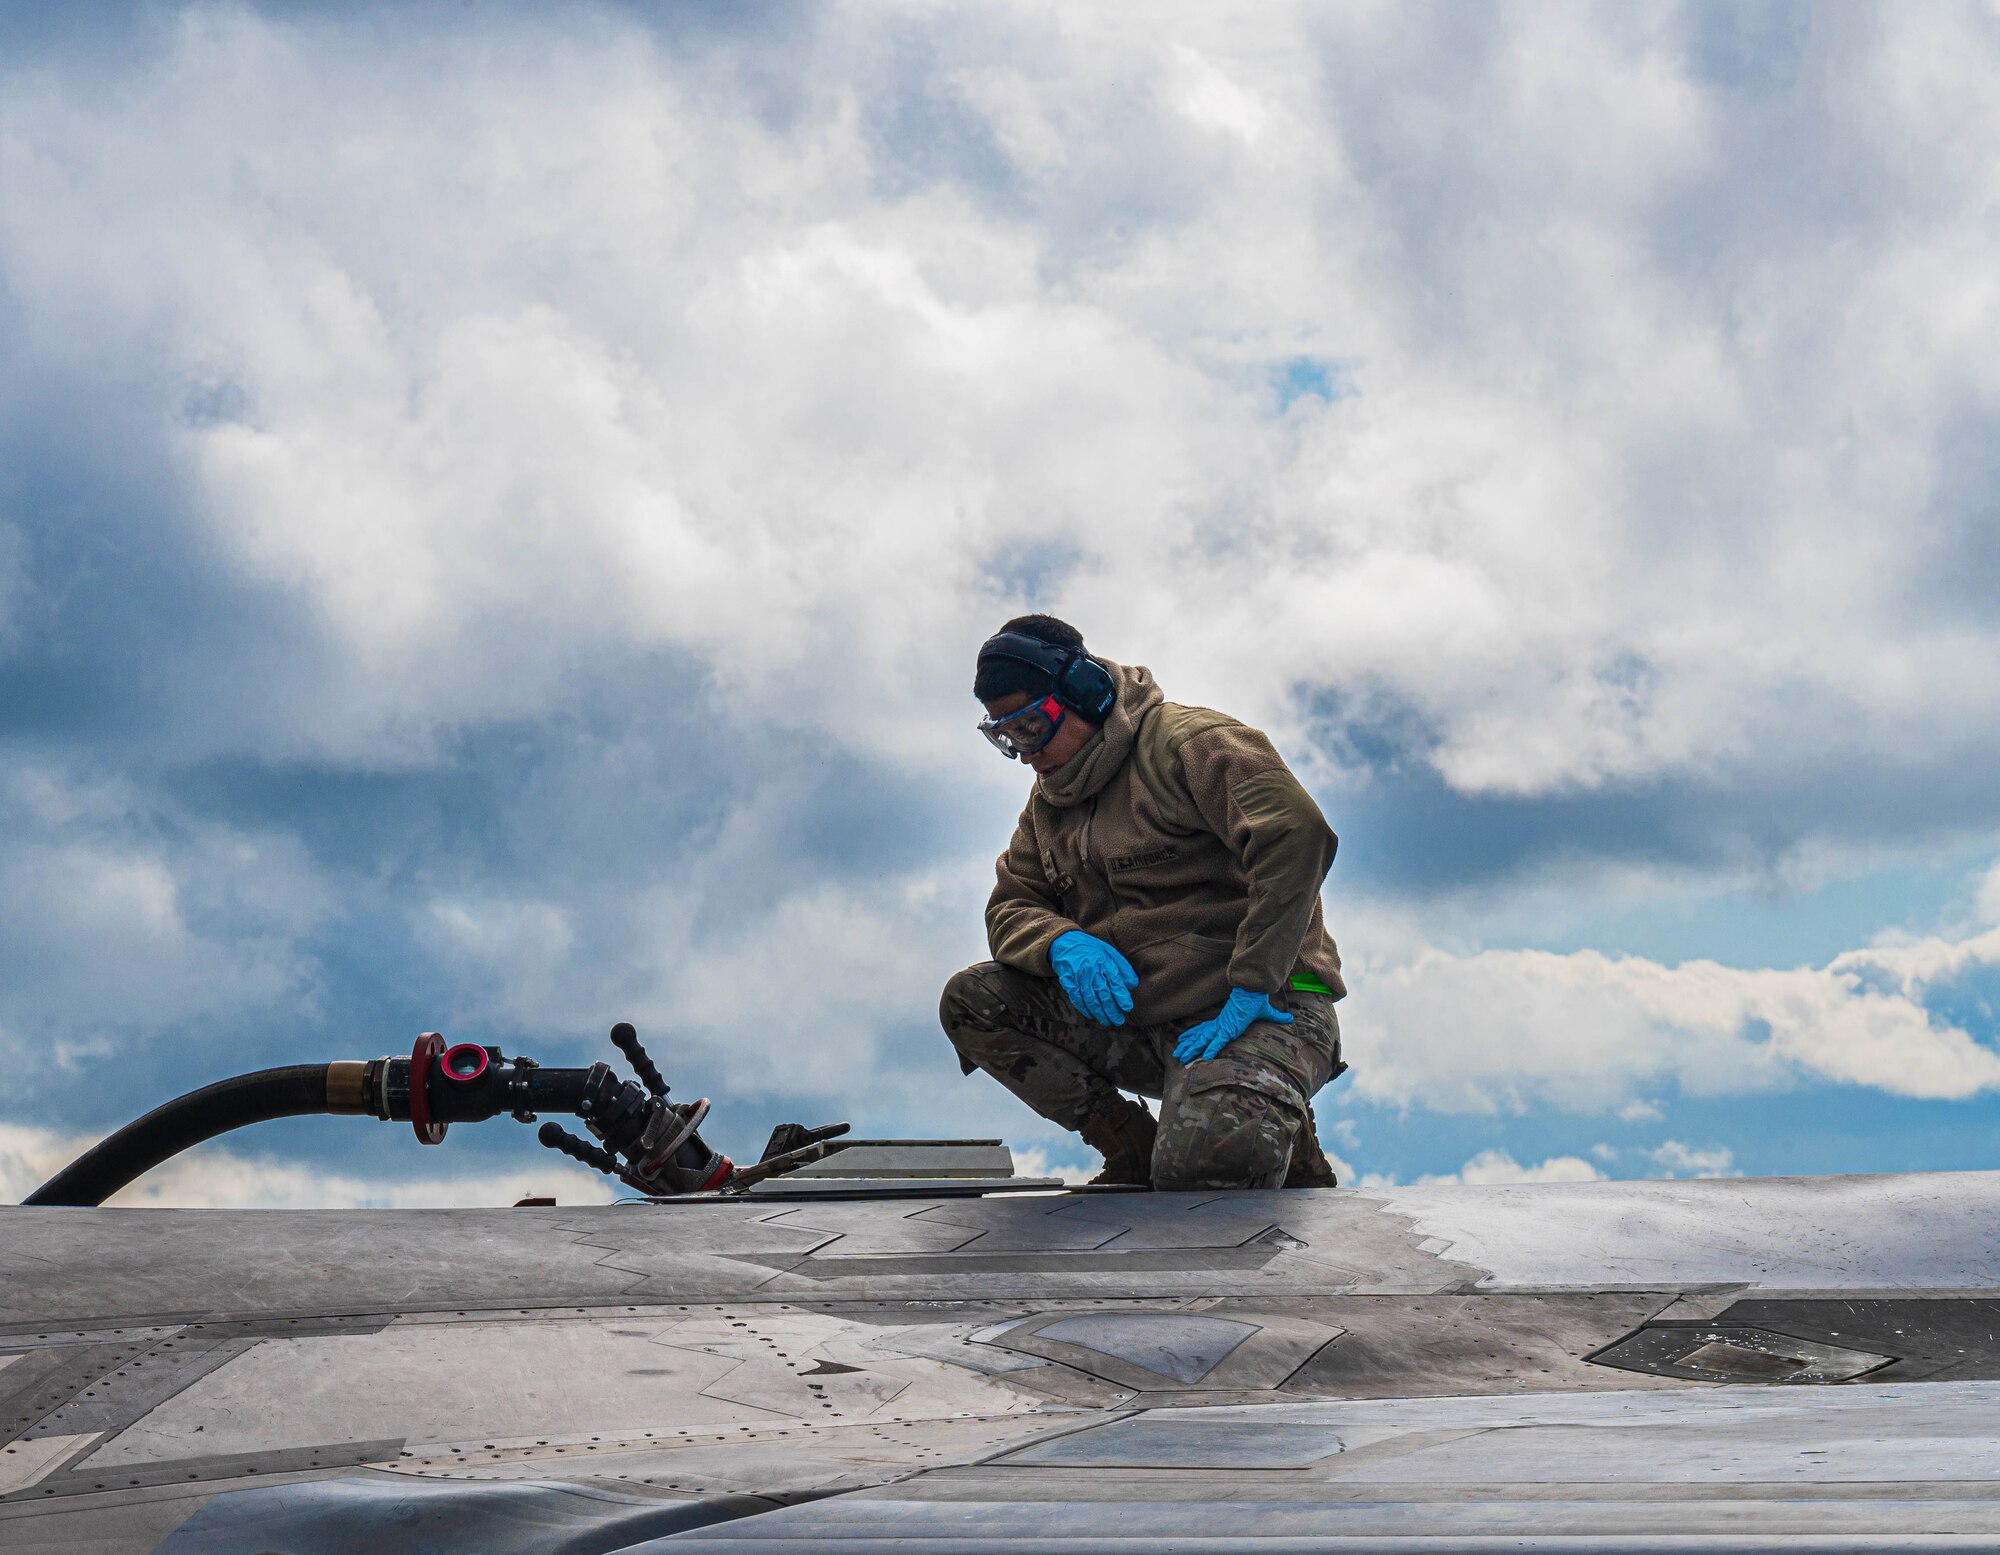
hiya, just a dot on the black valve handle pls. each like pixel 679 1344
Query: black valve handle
pixel 556 1137
pixel 626 1039
pixel 789 1137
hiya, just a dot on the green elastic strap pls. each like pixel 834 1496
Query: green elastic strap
pixel 1305 982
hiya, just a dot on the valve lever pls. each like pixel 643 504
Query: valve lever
pixel 557 1137
pixel 626 1039
pixel 789 1137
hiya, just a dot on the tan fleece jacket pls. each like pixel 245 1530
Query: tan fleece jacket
pixel 1180 836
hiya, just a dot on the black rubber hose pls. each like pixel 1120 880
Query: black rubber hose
pixel 294 1091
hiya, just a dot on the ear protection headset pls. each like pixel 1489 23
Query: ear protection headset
pixel 1082 685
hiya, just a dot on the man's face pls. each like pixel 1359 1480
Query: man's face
pixel 1074 734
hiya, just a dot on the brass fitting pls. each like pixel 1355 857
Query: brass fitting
pixel 347 1087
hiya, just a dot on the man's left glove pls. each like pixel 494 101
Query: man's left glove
pixel 1212 1036
pixel 1098 980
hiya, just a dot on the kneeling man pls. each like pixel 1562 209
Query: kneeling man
pixel 1155 927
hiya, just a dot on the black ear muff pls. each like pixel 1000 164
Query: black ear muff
pixel 1081 684
pixel 1086 687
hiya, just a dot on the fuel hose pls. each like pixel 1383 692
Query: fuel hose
pixel 648 1142
pixel 296 1090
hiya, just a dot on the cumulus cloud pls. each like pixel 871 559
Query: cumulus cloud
pixel 1679 1160
pixel 486 405
pixel 1491 1167
pixel 1035 1162
pixel 503 505
pixel 116 931
pixel 1499 1030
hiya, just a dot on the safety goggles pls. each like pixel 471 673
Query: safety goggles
pixel 1021 733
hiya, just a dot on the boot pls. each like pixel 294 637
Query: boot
pixel 1310 1167
pixel 1123 1135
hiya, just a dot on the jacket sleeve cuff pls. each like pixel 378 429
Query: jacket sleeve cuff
pixel 1256 974
pixel 1028 951
pixel 1046 937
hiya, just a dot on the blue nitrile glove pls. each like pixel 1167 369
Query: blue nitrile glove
pixel 1097 979
pixel 1212 1036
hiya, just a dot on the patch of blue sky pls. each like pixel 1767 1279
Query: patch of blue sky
pixel 1754 47
pixel 1310 377
pixel 1770 925
pixel 1031 573
pixel 1813 1128
pixel 1967 1000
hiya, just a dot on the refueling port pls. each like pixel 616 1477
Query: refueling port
pixel 464 1062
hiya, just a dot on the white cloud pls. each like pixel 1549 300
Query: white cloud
pixel 1679 1160
pixel 674 356
pixel 215 1177
pixel 1987 895
pixel 1491 1167
pixel 814 997
pixel 1032 1161
pixel 1210 97
pixel 1502 1030
pixel 113 929
pixel 1640 1111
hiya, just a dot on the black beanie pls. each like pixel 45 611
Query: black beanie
pixel 997 677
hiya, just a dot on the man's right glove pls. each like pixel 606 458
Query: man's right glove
pixel 1097 979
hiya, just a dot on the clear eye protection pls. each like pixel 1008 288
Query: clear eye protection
pixel 1025 731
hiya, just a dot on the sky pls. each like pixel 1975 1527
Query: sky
pixel 498 503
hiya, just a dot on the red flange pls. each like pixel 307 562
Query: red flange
pixel 424 1057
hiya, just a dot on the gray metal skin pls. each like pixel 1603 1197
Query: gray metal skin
pixel 1739 1365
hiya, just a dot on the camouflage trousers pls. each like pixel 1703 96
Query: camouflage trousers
pixel 1227 1123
